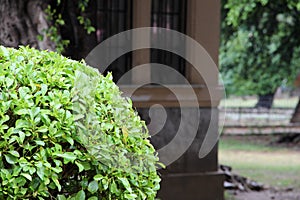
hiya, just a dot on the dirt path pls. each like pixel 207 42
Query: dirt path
pixel 268 195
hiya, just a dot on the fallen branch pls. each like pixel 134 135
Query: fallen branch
pixel 237 182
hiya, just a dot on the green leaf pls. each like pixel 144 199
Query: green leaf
pixel 33 112
pixel 70 140
pixel 40 37
pixel 61 197
pixel 130 196
pixel 32 170
pixel 22 112
pixel 80 166
pixel 126 184
pixel 14 153
pixel 22 124
pixel 90 29
pixel 4 52
pixel 86 165
pixel 84 183
pixel 67 156
pixel 44 89
pixel 34 184
pixel 27 176
pixel 104 183
pixel 10 159
pixel 9 82
pixel 39 142
pixel 22 136
pixel 55 180
pixel 93 187
pixel 41 172
pixel 57 169
pixel 80 195
pixel 98 177
pixel 43 129
pixel 113 188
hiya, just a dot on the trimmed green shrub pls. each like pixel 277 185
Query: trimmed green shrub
pixel 66 132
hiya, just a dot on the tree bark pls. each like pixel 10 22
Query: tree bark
pixel 21 23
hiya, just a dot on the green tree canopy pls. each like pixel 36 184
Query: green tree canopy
pixel 260 45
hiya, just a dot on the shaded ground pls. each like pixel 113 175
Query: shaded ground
pixel 265 195
pixel 262 159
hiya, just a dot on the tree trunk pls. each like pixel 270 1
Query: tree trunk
pixel 21 23
pixel 265 101
pixel 296 115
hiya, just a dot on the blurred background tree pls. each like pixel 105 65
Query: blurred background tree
pixel 260 46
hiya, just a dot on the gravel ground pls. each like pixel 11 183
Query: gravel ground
pixel 270 194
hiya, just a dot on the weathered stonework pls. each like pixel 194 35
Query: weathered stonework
pixel 189 177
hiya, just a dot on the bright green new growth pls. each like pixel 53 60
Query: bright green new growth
pixel 66 132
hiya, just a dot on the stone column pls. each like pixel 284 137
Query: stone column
pixel 189 177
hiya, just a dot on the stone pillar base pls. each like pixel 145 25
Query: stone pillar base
pixel 192 186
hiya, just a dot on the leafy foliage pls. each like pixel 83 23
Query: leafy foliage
pixel 54 16
pixel 260 44
pixel 66 133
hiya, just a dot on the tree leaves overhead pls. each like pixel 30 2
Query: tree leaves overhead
pixel 260 44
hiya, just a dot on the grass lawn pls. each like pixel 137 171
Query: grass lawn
pixel 250 157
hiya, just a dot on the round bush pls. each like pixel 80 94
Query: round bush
pixel 66 132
